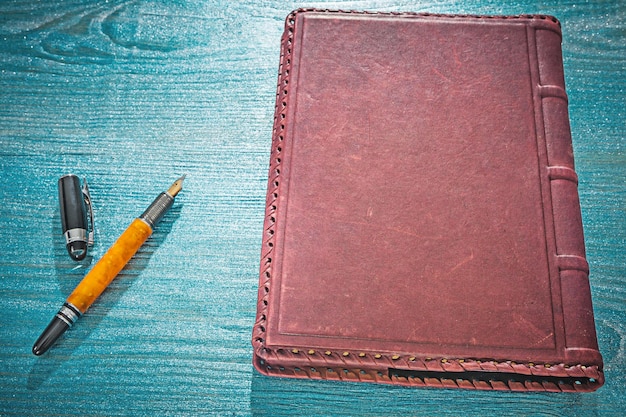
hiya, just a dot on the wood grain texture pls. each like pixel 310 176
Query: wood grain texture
pixel 132 94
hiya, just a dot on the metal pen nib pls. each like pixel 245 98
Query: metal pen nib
pixel 177 186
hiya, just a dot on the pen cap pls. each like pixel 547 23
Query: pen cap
pixel 73 216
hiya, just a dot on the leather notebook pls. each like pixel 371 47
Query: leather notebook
pixel 423 224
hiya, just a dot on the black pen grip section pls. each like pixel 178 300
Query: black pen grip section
pixel 157 209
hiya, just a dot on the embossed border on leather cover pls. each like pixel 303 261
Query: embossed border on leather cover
pixel 422 225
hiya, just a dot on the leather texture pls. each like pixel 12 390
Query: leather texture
pixel 423 225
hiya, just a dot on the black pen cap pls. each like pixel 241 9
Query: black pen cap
pixel 73 216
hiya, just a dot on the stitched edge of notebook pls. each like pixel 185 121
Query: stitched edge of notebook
pixel 426 372
pixel 273 187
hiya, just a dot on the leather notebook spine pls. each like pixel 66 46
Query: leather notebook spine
pixel 569 252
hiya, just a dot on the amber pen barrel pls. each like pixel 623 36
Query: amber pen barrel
pixel 107 268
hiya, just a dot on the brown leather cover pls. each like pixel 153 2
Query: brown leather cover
pixel 423 225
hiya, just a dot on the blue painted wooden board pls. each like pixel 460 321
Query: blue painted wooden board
pixel 131 94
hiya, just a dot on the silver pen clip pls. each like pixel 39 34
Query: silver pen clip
pixel 88 203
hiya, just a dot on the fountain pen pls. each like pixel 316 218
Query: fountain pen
pixel 107 268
